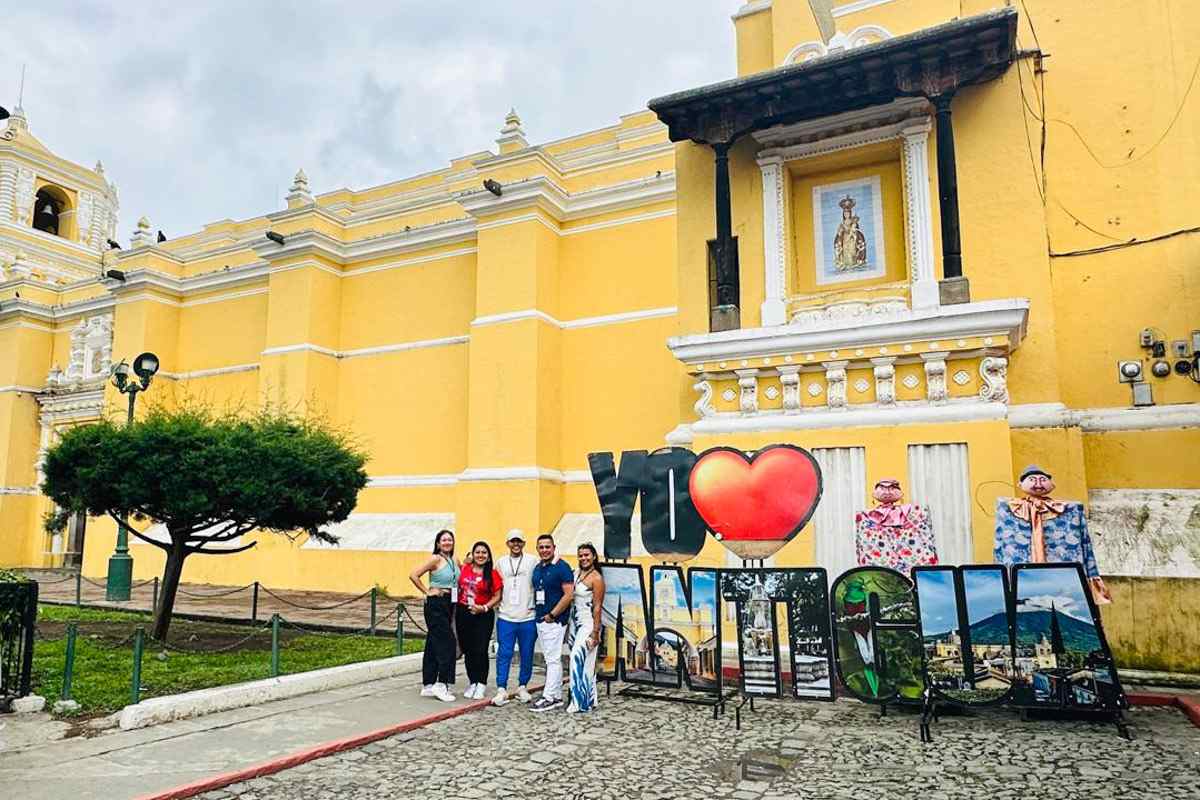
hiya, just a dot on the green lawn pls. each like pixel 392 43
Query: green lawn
pixel 104 659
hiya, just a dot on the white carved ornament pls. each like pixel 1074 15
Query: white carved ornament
pixel 994 371
pixel 859 37
pixel 91 353
pixel 704 406
pixel 25 197
pixel 850 310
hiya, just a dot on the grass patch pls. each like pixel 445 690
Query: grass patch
pixel 104 655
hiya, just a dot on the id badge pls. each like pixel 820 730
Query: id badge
pixel 453 594
pixel 539 597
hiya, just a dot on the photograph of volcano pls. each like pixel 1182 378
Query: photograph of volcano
pixel 1062 659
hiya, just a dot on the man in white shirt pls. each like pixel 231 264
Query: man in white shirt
pixel 516 624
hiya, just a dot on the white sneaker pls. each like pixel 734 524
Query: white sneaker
pixel 441 693
pixel 501 697
pixel 480 691
pixel 427 691
pixel 523 694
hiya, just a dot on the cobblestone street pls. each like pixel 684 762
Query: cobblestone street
pixel 635 748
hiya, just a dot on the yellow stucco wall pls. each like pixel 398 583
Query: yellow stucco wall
pixel 479 369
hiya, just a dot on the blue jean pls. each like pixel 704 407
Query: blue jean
pixel 523 634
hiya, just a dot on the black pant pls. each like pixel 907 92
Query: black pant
pixel 474 633
pixel 437 665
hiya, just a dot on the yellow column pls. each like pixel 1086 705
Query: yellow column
pixel 27 345
pixel 299 364
pixel 514 406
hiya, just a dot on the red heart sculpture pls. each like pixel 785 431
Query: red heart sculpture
pixel 755 505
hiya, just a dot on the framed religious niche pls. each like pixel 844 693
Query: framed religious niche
pixel 848 232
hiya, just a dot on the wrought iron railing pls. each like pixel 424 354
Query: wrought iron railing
pixel 18 617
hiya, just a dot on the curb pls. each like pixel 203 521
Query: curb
pixel 1188 704
pixel 200 702
pixel 313 753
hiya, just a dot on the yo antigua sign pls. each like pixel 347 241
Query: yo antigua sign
pixel 987 634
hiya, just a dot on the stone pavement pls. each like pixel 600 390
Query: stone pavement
pixel 117 765
pixel 634 748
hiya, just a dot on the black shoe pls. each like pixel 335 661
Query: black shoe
pixel 545 704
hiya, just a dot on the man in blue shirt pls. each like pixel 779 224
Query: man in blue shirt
pixel 553 590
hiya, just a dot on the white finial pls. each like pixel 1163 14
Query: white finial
pixel 142 237
pixel 299 192
pixel 512 135
pixel 99 169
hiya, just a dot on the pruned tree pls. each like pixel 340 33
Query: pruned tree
pixel 208 479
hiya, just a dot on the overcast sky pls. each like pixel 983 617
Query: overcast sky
pixel 204 110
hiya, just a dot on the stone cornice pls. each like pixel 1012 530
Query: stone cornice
pixel 562 206
pixel 986 318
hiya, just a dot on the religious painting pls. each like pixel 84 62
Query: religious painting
pixel 848 230
pixel 1063 659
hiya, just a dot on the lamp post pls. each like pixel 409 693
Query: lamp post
pixel 120 563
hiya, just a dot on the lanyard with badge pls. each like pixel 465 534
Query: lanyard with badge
pixel 454 585
pixel 539 594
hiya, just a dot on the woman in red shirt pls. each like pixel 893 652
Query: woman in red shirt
pixel 478 593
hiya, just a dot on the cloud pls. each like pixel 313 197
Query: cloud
pixel 1062 603
pixel 204 111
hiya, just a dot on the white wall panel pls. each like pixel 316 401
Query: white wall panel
pixel 844 473
pixel 938 477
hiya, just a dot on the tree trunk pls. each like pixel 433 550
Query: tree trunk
pixel 166 597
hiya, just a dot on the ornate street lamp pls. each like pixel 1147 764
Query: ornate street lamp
pixel 128 381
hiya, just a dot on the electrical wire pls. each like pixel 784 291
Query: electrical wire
pixel 1122 245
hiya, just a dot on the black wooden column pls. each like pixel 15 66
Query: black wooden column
pixel 724 313
pixel 948 188
pixel 954 287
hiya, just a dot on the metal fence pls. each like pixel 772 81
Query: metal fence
pixel 18 619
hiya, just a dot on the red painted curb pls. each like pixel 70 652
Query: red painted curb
pixel 1188 704
pixel 312 753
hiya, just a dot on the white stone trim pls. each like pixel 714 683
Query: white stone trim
pixel 581 322
pixel 965 320
pixel 775 251
pixel 613 223
pixel 24 490
pixel 409 481
pixel 751 7
pixel 403 346
pixel 208 373
pixel 481 475
pixel 33 326
pixel 16 387
pixel 408 262
pixel 747 390
pixel 1100 420
pixel 203 301
pixel 935 377
pixel 514 316
pixel 299 348
pixel 918 214
pixel 478 474
pixel 854 416
pixel 856 6
pixel 623 317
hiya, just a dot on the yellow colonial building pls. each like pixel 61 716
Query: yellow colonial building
pixel 936 240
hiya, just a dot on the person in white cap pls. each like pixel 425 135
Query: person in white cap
pixel 516 625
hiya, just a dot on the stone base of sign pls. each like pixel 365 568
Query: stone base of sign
pixel 28 705
pixel 222 698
